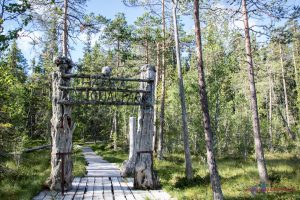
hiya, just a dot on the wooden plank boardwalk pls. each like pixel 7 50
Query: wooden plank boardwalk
pixel 103 181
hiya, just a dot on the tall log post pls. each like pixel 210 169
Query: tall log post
pixel 61 130
pixel 144 175
pixel 132 138
pixel 127 168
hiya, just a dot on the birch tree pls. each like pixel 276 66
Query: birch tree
pixel 188 161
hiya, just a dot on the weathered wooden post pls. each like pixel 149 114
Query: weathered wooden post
pixel 61 129
pixel 132 138
pixel 144 175
pixel 128 165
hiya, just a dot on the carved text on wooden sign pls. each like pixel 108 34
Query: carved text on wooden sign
pixel 97 89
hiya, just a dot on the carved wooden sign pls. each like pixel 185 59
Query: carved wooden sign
pixel 103 90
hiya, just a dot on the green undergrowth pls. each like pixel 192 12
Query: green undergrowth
pixel 238 176
pixel 25 179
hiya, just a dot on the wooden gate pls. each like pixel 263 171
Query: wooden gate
pixel 76 89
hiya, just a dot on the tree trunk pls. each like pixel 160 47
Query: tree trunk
pixel 163 87
pixel 147 50
pixel 127 168
pixel 289 131
pixel 115 130
pixel 294 50
pixel 188 161
pixel 154 146
pixel 118 54
pixel 286 102
pixel 270 108
pixel 212 165
pixel 65 31
pixel 61 131
pixel 261 164
pixel 217 112
pixel 144 176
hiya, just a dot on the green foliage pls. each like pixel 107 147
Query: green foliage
pixel 12 110
pixel 13 12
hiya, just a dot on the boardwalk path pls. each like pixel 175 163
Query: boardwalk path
pixel 103 181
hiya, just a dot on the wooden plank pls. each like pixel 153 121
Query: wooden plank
pixel 37 148
pixel 81 189
pixel 117 189
pixel 98 189
pixel 160 195
pixel 100 76
pixel 126 189
pixel 112 89
pixel 100 102
pixel 138 194
pixel 142 194
pixel 107 192
pixel 71 193
pixel 104 173
pixel 90 188
pixel 98 166
pixel 41 195
pixel 59 196
pixel 50 195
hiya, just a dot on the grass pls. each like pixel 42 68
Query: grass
pixel 238 176
pixel 25 180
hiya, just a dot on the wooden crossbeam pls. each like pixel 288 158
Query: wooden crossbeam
pixel 100 76
pixel 91 102
pixel 101 89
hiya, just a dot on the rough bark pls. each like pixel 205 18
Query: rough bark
pixel 62 129
pixel 65 31
pixel 187 153
pixel 127 168
pixel 212 165
pixel 144 176
pixel 261 164
pixel 163 88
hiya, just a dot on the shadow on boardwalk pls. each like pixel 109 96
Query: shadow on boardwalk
pixel 103 181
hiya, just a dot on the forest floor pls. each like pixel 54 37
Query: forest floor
pixel 239 177
pixel 25 179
